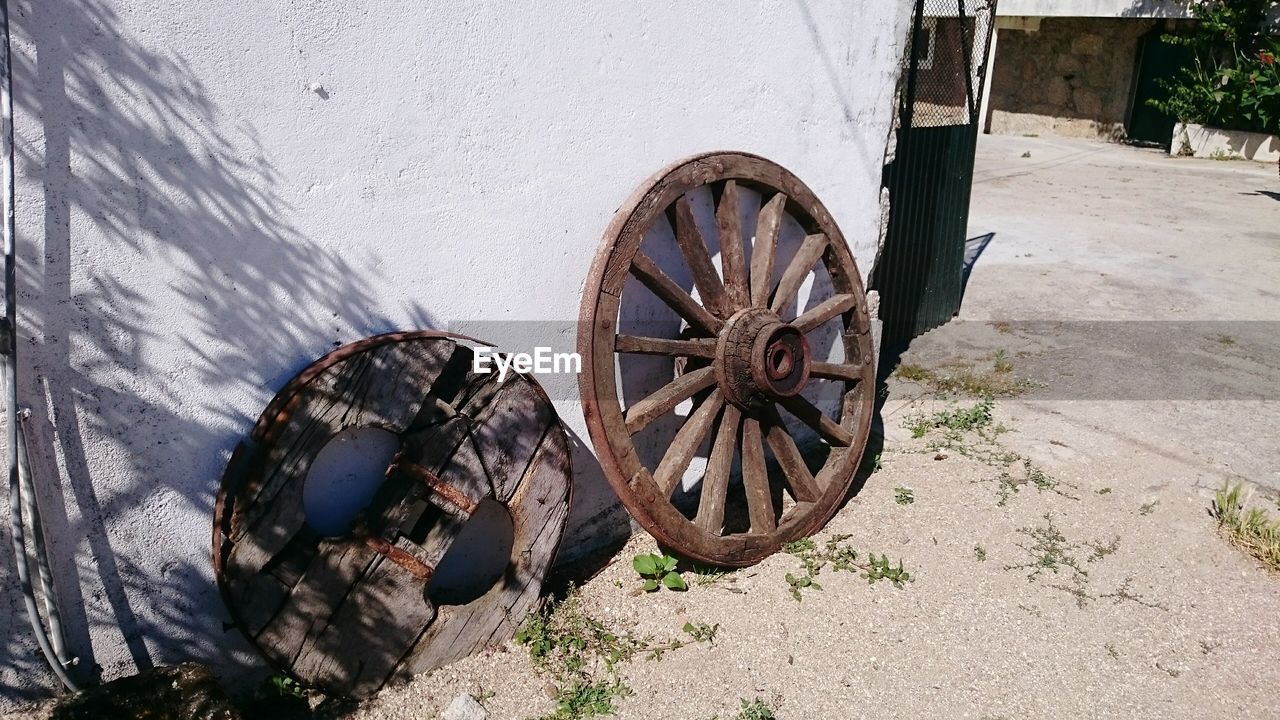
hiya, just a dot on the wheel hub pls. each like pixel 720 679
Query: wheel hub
pixel 760 359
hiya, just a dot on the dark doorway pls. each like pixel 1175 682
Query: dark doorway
pixel 1158 61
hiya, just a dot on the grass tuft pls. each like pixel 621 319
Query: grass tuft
pixel 1249 528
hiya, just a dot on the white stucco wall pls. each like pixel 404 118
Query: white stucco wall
pixel 212 194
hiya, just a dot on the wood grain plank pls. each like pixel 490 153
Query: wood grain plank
pixel 539 508
pixel 765 249
pixel 509 432
pixel 635 345
pixel 715 483
pixel 799 479
pixel 666 289
pixel 686 443
pixel 824 311
pixel 851 372
pixel 829 429
pixel 732 254
pixel 696 256
pixel 663 400
pixel 755 479
pixel 797 270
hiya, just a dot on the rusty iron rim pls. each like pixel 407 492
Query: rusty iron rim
pixel 740 358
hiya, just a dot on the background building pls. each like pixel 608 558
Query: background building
pixel 1082 68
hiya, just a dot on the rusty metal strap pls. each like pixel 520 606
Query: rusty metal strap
pixel 440 488
pixel 406 561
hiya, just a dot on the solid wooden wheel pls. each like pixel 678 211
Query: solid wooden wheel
pixel 346 612
pixel 763 359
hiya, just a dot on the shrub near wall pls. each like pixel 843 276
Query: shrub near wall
pixel 1233 82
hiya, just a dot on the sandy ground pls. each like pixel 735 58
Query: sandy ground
pixel 1140 296
pixel 1113 281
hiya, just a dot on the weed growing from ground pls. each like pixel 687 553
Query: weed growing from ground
pixel 954 421
pixel 658 571
pixel 904 495
pixel 1148 508
pixel 964 379
pixel 1100 551
pixel 1008 484
pixel 1003 364
pixel 756 709
pixel 840 557
pixel 709 575
pixel 581 656
pixel 1050 551
pixel 1253 531
pixel 980 553
pixel 873 464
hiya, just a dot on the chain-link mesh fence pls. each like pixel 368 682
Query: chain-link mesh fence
pixel 944 64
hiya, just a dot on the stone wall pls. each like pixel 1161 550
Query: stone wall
pixel 1073 77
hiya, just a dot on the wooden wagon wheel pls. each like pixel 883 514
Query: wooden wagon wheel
pixel 348 612
pixel 741 362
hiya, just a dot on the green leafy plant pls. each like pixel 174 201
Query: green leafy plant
pixel 840 557
pixel 879 569
pixel 582 656
pixel 756 709
pixel 702 632
pixel 279 696
pixel 798 583
pixel 1231 80
pixel 955 421
pixel 658 571
pixel 904 495
pixel 872 463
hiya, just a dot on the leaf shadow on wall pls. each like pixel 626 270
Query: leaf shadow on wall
pixel 135 172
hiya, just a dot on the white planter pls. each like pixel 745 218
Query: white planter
pixel 1207 142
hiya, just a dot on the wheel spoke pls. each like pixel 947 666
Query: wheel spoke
pixel 715 483
pixel 673 393
pixel 829 429
pixel 829 308
pixel 810 250
pixel 755 479
pixel 803 486
pixel 661 284
pixel 686 444
pixel 637 345
pixel 695 254
pixel 729 223
pixel 765 248
pixel 851 372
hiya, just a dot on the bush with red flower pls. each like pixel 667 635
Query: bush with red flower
pixel 1233 81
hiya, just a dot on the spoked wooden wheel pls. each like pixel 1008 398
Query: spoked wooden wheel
pixel 769 390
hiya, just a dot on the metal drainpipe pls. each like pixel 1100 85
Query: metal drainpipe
pixel 21 491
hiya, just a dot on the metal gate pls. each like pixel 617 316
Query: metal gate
pixel 919 275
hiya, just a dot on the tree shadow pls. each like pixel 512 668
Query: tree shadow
pixel 164 292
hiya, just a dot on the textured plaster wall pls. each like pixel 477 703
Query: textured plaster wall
pixel 211 194
pixel 1072 77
